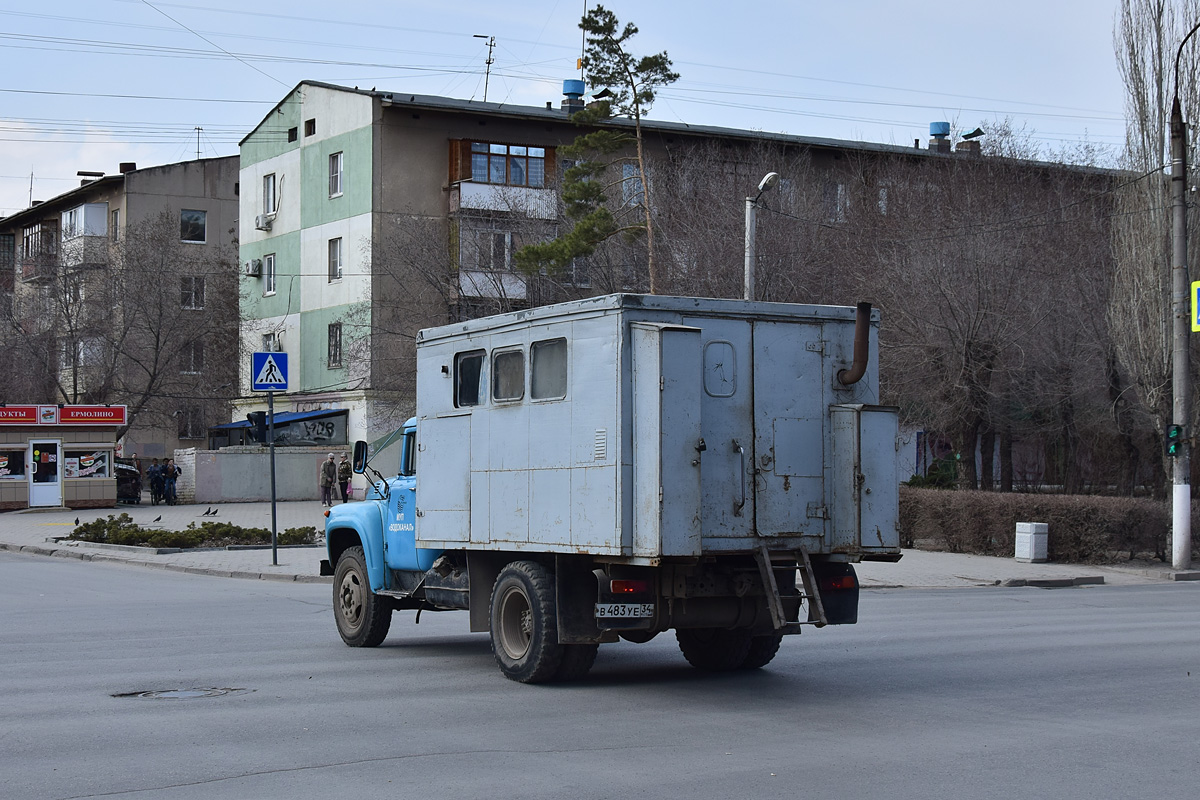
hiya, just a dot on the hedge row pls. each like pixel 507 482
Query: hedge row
pixel 1083 528
pixel 123 530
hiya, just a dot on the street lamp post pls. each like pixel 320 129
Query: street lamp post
pixel 769 180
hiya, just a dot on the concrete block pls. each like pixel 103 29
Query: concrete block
pixel 1032 542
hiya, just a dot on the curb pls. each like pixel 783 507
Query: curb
pixel 59 552
pixel 1055 583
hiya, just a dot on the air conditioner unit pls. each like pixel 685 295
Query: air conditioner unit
pixel 263 222
pixel 254 268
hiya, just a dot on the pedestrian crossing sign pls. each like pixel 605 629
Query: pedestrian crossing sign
pixel 269 372
pixel 1195 306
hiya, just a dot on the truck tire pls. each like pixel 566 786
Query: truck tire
pixel 762 650
pixel 714 649
pixel 524 625
pixel 576 661
pixel 362 617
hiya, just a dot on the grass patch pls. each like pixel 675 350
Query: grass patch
pixel 123 530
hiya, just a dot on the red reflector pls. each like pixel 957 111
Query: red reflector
pixel 628 587
pixel 840 582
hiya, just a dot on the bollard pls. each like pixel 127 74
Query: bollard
pixel 1033 542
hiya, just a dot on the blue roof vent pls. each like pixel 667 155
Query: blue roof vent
pixel 939 130
pixel 573 89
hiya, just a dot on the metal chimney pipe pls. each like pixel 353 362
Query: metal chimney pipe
pixel 862 347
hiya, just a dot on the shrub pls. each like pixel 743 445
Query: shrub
pixel 123 530
pixel 1083 528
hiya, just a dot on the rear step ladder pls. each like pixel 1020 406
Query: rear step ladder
pixel 816 610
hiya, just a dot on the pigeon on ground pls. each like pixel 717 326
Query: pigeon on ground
pixel 159 517
pixel 214 512
pixel 77 520
pixel 207 511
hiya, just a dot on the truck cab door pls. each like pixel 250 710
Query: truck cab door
pixel 399 530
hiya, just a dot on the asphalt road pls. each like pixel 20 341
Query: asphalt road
pixel 1071 693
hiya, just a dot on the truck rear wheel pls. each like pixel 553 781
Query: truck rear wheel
pixel 762 650
pixel 362 617
pixel 577 660
pixel 714 649
pixel 524 625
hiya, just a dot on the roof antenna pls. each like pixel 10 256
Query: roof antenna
pixel 488 74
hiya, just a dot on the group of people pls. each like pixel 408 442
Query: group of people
pixel 334 474
pixel 162 479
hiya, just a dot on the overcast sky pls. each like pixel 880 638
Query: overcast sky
pixel 869 70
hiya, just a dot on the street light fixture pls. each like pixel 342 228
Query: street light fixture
pixel 769 180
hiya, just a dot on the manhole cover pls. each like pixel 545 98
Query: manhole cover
pixel 180 694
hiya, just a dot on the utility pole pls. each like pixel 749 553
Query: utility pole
pixel 769 180
pixel 488 64
pixel 1181 406
pixel 198 129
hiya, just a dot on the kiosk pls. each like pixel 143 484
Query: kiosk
pixel 54 456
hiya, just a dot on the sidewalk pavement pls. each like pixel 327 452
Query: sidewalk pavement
pixel 35 532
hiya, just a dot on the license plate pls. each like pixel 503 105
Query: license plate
pixel 624 610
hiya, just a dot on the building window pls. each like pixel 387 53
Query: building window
pixel 632 191
pixel 836 201
pixel 508 375
pixel 191 358
pixel 335 259
pixel 293 134
pixel 508 165
pixel 193 225
pixel 310 127
pixel 72 223
pixel 269 273
pixel 116 225
pixel 271 343
pixel 493 250
pixel 548 369
pixel 190 424
pixel 335 175
pixel 191 292
pixel 335 345
pixel 468 370
pixel 269 194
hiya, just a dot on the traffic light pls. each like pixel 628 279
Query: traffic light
pixel 1175 441
pixel 258 426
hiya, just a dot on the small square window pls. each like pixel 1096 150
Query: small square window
pixel 310 127
pixel 191 292
pixel 193 226
pixel 508 375
pixel 468 371
pixel 293 134
pixel 548 369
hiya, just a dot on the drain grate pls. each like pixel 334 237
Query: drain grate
pixel 181 694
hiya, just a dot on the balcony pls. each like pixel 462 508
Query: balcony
pixel 533 203
pixel 84 252
pixel 38 267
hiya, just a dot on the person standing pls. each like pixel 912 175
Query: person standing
pixel 170 474
pixel 327 477
pixel 154 473
pixel 344 472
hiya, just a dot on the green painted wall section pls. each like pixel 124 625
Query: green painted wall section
pixel 316 206
pixel 270 138
pixel 286 248
pixel 315 375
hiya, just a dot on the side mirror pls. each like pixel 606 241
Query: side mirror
pixel 359 463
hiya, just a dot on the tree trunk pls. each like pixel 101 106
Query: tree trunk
pixel 987 449
pixel 1006 462
pixel 967 477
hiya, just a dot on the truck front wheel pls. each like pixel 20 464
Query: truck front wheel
pixel 714 649
pixel 524 626
pixel 362 617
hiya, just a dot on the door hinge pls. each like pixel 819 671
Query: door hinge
pixel 662 383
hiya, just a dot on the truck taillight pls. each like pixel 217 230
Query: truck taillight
pixel 838 582
pixel 620 586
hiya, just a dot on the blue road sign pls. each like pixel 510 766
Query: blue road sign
pixel 269 372
pixel 1195 306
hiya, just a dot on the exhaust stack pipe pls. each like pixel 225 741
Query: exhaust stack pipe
pixel 862 347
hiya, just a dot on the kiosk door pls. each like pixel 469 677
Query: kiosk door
pixel 45 474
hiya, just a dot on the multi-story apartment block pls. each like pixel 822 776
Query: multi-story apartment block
pixel 124 290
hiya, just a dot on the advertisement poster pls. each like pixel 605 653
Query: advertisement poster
pixel 87 464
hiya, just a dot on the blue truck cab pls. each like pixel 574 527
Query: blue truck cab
pixel 384 525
